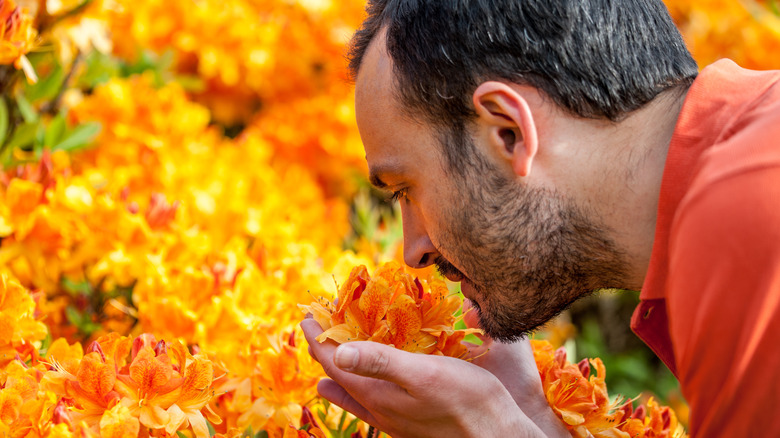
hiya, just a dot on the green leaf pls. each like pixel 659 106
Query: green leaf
pixel 76 288
pixel 212 432
pixel 28 112
pixel 55 130
pixel 47 87
pixel 341 421
pixel 24 135
pixel 100 68
pixel 323 415
pixel 79 137
pixel 352 428
pixel 262 434
pixel 180 434
pixel 191 83
pixel 40 138
pixel 45 344
pixel 81 320
pixel 3 120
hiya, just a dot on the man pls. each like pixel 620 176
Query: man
pixel 540 150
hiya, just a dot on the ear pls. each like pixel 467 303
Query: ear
pixel 507 122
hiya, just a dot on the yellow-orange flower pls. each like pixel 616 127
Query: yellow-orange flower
pixel 18 326
pixel 118 422
pixel 17 37
pixel 580 400
pixel 271 387
pixel 163 387
pixel 393 308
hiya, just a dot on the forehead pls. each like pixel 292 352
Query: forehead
pixel 393 141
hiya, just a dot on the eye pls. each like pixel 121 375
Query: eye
pixel 398 195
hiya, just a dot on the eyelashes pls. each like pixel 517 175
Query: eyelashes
pixel 398 195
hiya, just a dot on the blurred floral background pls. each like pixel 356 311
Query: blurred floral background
pixel 190 171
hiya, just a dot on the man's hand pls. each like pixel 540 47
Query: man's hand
pixel 413 395
pixel 513 364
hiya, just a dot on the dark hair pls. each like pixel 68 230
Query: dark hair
pixel 594 58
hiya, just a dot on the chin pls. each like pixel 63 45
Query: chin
pixel 509 325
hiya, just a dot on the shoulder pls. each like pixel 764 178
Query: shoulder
pixel 723 301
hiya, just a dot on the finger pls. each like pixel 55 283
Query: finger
pixel 470 316
pixel 321 352
pixel 371 359
pixel 476 351
pixel 334 393
pixel 311 329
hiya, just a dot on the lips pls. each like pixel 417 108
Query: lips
pixel 454 276
pixel 467 289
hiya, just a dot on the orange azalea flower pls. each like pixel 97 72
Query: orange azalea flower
pixel 118 422
pixel 17 37
pixel 18 326
pixel 580 400
pixel 649 421
pixel 163 387
pixel 281 379
pixel 393 308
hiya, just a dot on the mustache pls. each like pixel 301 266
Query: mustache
pixel 446 268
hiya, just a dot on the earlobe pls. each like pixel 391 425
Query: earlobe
pixel 505 114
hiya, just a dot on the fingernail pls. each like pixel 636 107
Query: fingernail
pixel 346 357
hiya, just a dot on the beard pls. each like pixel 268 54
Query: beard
pixel 527 253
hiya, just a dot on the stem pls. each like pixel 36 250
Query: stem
pixel 54 106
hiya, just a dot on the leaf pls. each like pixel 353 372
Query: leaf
pixel 191 83
pixel 24 135
pixel 55 130
pixel 40 137
pixel 28 112
pixel 81 320
pixel 212 432
pixel 76 288
pixel 180 434
pixel 352 428
pixel 262 434
pixel 99 69
pixel 48 87
pixel 3 120
pixel 79 137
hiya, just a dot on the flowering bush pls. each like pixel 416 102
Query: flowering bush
pixel 177 176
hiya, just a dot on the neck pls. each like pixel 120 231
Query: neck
pixel 617 176
pixel 635 158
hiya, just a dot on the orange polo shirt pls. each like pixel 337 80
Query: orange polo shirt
pixel 710 303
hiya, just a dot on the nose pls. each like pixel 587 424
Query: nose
pixel 419 251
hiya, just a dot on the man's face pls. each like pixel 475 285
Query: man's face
pixel 522 252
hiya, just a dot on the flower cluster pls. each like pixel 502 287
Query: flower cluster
pixel 17 37
pixel 162 387
pixel 580 400
pixel 393 308
pixel 18 327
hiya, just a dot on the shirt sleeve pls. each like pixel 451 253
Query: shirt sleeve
pixel 723 302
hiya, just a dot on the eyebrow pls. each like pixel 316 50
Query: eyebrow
pixel 376 181
pixel 374 173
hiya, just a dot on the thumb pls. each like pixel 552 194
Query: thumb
pixel 371 359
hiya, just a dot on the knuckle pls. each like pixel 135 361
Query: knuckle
pixel 377 364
